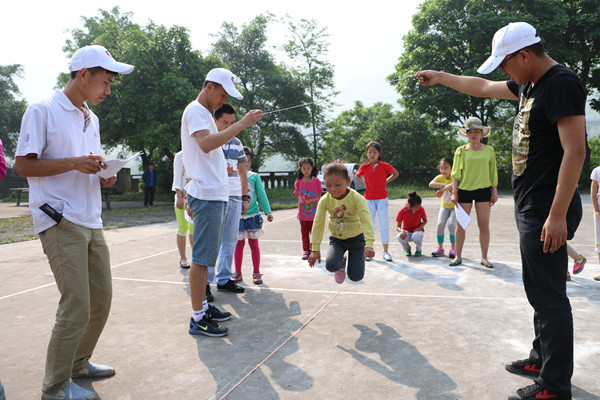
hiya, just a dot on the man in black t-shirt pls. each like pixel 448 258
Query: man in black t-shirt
pixel 548 153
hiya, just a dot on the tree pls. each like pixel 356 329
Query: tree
pixel 455 36
pixel 344 139
pixel 409 141
pixel 144 111
pixel 11 108
pixel 267 86
pixel 308 46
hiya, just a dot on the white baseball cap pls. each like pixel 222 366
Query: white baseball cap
pixel 97 56
pixel 507 40
pixel 225 78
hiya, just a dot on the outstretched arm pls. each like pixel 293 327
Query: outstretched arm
pixel 471 85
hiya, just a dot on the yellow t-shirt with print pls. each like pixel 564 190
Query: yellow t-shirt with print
pixel 348 218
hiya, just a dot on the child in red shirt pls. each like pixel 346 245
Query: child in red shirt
pixel 376 174
pixel 411 220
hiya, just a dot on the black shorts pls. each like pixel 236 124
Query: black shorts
pixel 477 195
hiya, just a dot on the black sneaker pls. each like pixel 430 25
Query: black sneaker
pixel 209 297
pixel 231 286
pixel 525 367
pixel 215 314
pixel 535 391
pixel 206 327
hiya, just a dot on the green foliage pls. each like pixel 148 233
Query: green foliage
pixel 308 46
pixel 345 139
pixel 11 109
pixel 409 141
pixel 594 144
pixel 267 86
pixel 455 36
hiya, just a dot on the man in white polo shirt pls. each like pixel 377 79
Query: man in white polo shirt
pixel 208 190
pixel 59 153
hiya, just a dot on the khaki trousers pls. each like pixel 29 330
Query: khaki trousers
pixel 80 262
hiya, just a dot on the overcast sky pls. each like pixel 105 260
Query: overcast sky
pixel 366 41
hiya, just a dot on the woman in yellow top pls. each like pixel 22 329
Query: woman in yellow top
pixel 350 226
pixel 475 178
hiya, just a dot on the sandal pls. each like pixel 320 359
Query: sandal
pixel 487 264
pixel 236 277
pixel 257 279
pixel 184 265
pixel 455 263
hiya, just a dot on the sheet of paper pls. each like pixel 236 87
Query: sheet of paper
pixel 113 166
pixel 462 217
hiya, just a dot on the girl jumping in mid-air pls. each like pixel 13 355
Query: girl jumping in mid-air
pixel 308 189
pixel 376 174
pixel 251 224
pixel 350 226
pixel 443 182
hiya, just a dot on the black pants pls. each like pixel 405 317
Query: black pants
pixel 356 256
pixel 544 279
pixel 149 195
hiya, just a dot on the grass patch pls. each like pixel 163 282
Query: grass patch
pixel 123 217
pixel 16 230
pixel 400 190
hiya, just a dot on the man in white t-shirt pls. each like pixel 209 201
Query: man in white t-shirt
pixel 208 190
pixel 58 151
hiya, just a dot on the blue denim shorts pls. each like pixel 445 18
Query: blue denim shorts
pixel 209 218
pixel 254 223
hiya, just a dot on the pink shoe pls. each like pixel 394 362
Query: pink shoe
pixel 340 275
pixel 578 266
pixel 257 279
pixel 438 252
pixel 452 253
pixel 306 255
pixel 236 277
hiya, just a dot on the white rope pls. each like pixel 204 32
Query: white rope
pixel 289 108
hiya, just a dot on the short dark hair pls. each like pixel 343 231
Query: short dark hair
pixel 224 109
pixel 214 83
pixel 335 168
pixel 248 151
pixel 414 198
pixel 537 49
pixel 446 160
pixel 93 71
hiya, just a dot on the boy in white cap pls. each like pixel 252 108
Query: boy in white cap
pixel 59 153
pixel 548 153
pixel 208 190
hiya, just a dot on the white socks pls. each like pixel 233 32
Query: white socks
pixel 198 315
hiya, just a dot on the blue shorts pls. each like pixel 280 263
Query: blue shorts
pixel 209 219
pixel 254 223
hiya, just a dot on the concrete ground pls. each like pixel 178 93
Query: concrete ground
pixel 414 328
